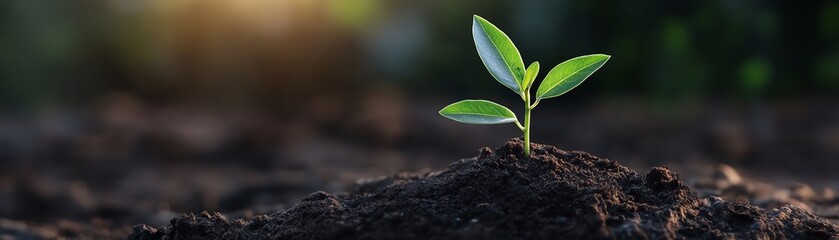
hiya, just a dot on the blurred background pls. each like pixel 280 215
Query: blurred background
pixel 118 112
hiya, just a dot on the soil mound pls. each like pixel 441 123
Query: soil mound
pixel 501 194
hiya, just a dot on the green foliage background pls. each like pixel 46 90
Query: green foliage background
pixel 264 52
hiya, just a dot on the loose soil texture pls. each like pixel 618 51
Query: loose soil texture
pixel 500 194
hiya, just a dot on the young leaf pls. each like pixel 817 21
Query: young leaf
pixel 530 74
pixel 569 74
pixel 478 112
pixel 498 53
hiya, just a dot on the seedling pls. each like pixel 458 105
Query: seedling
pixel 504 63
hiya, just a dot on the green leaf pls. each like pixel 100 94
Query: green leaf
pixel 569 74
pixel 530 74
pixel 478 112
pixel 498 53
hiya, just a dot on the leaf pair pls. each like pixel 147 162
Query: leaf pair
pixel 504 62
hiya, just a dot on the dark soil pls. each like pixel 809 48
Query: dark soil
pixel 502 195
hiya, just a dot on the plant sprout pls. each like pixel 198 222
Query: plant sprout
pixel 504 63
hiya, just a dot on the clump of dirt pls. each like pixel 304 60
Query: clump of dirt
pixel 501 194
pixel 727 183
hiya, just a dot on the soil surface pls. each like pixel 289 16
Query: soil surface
pixel 501 194
pixel 94 172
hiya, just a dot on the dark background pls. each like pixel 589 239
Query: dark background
pixel 132 111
